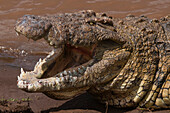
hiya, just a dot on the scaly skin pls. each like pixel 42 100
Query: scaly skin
pixel 122 62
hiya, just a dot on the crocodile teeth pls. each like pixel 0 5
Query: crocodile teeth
pixel 40 81
pixel 50 54
pixel 40 60
pixel 17 33
pixel 38 63
pixel 66 78
pixel 73 79
pixel 21 84
pixel 57 80
pixel 84 68
pixel 75 73
pixel 18 78
pixel 24 82
pixel 61 79
pixel 65 72
pixel 70 73
pixel 30 86
pixel 61 74
pixel 80 71
pixel 22 72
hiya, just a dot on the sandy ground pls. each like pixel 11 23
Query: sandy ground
pixel 40 103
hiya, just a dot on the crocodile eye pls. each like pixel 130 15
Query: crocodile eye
pixel 91 22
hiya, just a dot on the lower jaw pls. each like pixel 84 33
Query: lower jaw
pixel 76 71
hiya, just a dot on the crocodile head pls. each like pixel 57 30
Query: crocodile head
pixel 87 53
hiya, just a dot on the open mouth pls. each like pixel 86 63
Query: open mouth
pixel 66 64
pixel 70 70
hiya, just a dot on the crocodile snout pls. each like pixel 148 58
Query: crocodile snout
pixel 32 27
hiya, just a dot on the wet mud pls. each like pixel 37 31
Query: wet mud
pixel 17 52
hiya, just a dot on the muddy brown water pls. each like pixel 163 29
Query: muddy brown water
pixel 13 49
pixel 16 52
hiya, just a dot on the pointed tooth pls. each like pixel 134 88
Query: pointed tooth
pixel 75 73
pixel 30 86
pixel 20 84
pixel 84 68
pixel 40 60
pixel 61 74
pixel 40 81
pixel 65 72
pixel 17 33
pixel 25 82
pixel 18 78
pixel 74 79
pixel 22 71
pixel 50 84
pixel 36 65
pixel 52 52
pixel 57 80
pixel 49 55
pixel 80 71
pixel 69 72
pixel 71 79
pixel 21 75
pixel 61 79
pixel 45 83
pixel 66 78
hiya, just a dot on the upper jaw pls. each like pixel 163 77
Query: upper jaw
pixel 32 27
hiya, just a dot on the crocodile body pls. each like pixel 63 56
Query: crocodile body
pixel 122 62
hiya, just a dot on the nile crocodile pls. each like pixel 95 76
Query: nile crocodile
pixel 122 62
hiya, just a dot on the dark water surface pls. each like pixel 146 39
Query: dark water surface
pixel 18 51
